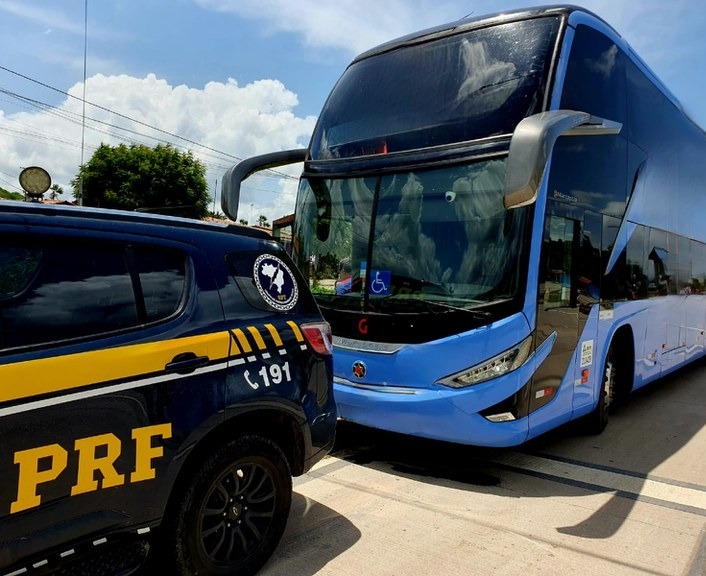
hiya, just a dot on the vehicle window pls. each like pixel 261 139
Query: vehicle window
pixel 438 235
pixel 66 289
pixel 453 89
pixel 684 274
pixel 18 267
pixel 615 284
pixel 698 271
pixel 587 172
pixel 661 273
pixel 162 274
pixel 595 76
pixel 638 263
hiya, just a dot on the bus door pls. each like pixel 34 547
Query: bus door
pixel 557 312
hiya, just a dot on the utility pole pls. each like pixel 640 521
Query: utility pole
pixel 83 119
pixel 215 191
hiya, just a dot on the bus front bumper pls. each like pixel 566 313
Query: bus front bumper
pixel 424 412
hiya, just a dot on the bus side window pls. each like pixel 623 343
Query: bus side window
pixel 615 284
pixel 660 274
pixel 557 285
pixel 698 270
pixel 593 171
pixel 638 263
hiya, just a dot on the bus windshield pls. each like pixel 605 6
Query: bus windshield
pixel 422 241
pixel 461 87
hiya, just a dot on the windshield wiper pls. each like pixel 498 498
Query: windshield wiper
pixel 500 82
pixel 479 314
pixel 429 304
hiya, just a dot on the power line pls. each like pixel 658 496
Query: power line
pixel 119 114
pixel 72 117
pixel 139 122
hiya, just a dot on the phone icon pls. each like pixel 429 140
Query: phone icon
pixel 253 385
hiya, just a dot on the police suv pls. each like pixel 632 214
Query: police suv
pixel 161 380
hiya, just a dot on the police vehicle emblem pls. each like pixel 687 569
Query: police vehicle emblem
pixel 275 282
pixel 359 369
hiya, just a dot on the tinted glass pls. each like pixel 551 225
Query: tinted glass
pixel 616 283
pixel 162 274
pixel 589 172
pixel 439 236
pixel 557 270
pixel 595 76
pixel 78 290
pixel 684 274
pixel 463 87
pixel 18 266
pixel 698 267
pixel 639 266
pixel 67 289
pixel 590 271
pixel 661 272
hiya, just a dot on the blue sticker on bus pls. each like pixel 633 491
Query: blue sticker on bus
pixel 380 281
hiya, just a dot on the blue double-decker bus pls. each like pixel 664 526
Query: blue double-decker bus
pixel 501 219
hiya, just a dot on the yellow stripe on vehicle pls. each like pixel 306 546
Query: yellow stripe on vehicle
pixel 297 333
pixel 57 374
pixel 244 344
pixel 257 337
pixel 275 335
pixel 60 373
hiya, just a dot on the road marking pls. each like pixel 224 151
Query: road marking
pixel 660 491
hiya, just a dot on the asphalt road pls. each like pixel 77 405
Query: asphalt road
pixel 631 501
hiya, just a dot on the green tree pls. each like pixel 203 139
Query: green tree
pixel 136 177
pixel 55 191
pixel 262 221
pixel 7 195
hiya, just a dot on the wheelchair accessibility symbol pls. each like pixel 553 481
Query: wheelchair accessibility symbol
pixel 380 282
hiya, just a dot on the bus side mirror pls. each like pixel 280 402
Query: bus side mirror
pixel 234 176
pixel 532 142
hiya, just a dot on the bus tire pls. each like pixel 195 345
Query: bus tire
pixel 233 512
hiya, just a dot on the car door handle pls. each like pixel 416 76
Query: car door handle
pixel 186 362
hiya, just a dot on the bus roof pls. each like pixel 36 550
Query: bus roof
pixel 465 24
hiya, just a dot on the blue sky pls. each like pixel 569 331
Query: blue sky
pixel 231 78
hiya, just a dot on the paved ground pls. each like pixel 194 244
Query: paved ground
pixel 630 501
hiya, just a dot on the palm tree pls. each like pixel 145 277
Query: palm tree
pixel 55 191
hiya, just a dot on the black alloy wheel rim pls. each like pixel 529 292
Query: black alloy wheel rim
pixel 237 513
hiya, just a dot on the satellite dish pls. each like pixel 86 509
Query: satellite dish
pixel 35 180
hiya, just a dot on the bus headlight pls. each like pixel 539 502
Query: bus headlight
pixel 498 365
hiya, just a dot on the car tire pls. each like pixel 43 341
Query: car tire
pixel 232 514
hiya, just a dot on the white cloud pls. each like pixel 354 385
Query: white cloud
pixel 52 18
pixel 667 36
pixel 228 120
pixel 259 117
pixel 349 25
pixel 48 18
